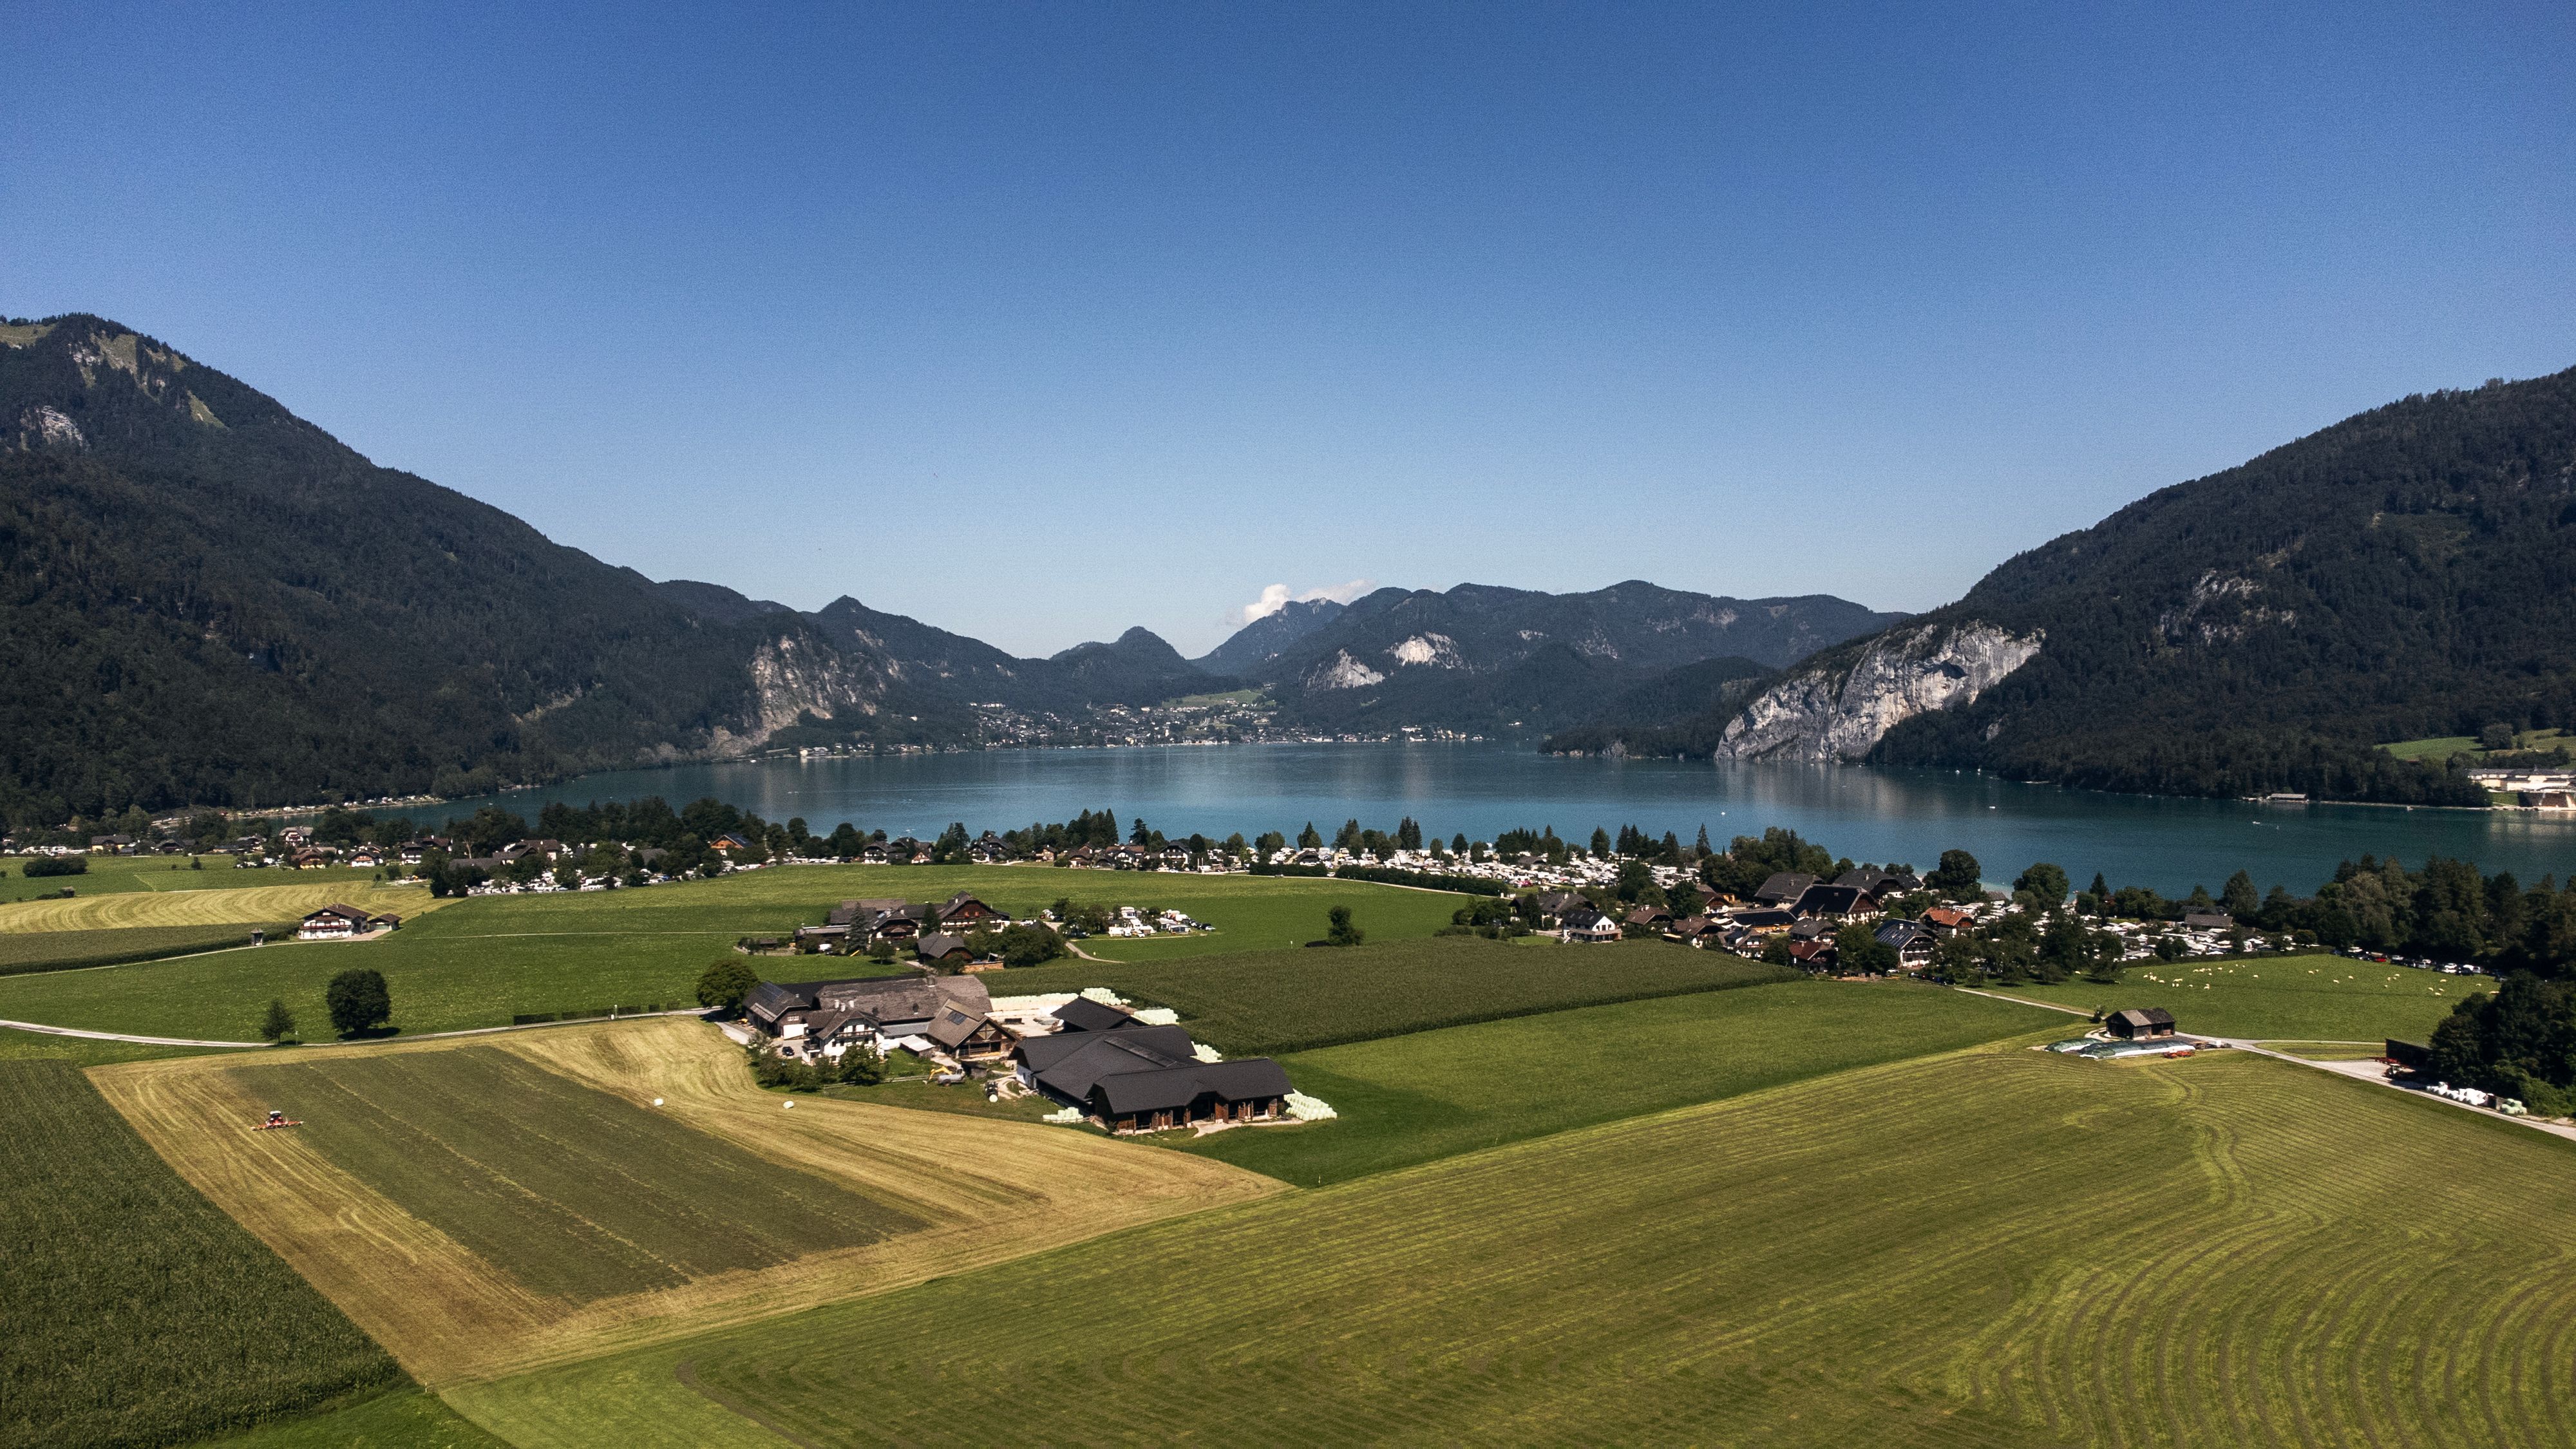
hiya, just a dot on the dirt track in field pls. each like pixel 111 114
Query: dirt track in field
pixel 992 1190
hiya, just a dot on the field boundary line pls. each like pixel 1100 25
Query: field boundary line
pixel 40 1027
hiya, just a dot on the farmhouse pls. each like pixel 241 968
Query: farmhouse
pixel 838 1013
pixel 1650 918
pixel 943 949
pixel 2135 1025
pixel 963 909
pixel 1583 923
pixel 342 923
pixel 1147 1078
pixel 1947 920
pixel 1834 903
pixel 969 1036
pixel 1084 1014
pixel 1912 941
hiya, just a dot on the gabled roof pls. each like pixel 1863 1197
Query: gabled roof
pixel 1071 1063
pixel 952 1027
pixel 1648 915
pixel 2151 1016
pixel 1173 1088
pixel 939 944
pixel 1828 900
pixel 351 914
pixel 1785 885
pixel 1903 933
pixel 1084 1014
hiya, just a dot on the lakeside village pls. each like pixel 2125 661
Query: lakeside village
pixel 1775 896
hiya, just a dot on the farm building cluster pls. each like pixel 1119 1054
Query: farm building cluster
pixel 345 923
pixel 1123 1070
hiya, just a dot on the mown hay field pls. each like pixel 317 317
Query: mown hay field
pixel 1286 1001
pixel 254 905
pixel 2289 998
pixel 112 874
pixel 1996 1248
pixel 573 1192
pixel 1412 1099
pixel 131 1310
pixel 416 1254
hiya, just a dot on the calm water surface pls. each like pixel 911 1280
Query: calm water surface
pixel 1862 812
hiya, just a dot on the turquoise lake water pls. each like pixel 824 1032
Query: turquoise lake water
pixel 1863 812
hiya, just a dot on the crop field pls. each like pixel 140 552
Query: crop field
pixel 1411 1099
pixel 131 1310
pixel 1284 1001
pixel 2000 1248
pixel 2295 998
pixel 409 1419
pixel 396 1197
pixel 254 905
pixel 68 950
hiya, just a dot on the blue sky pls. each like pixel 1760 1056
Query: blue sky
pixel 1037 322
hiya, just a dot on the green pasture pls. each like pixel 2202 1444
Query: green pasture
pixel 408 1419
pixel 132 1311
pixel 2001 1248
pixel 2443 747
pixel 479 962
pixel 574 1192
pixel 2295 998
pixel 1284 1001
pixel 1411 1099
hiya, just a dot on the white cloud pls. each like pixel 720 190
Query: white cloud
pixel 1275 597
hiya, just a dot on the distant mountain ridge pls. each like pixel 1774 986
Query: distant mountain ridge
pixel 205 600
pixel 1481 657
pixel 2409 571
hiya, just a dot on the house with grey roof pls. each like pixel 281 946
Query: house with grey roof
pixel 1147 1078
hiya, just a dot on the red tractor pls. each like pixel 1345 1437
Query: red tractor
pixel 276 1120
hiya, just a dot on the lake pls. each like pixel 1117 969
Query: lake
pixel 1863 812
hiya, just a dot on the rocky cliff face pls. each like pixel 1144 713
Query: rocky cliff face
pixel 1840 707
pixel 792 677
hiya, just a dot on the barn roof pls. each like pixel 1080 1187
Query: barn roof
pixel 1171 1088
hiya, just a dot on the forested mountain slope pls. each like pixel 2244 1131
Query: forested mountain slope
pixel 205 599
pixel 2410 571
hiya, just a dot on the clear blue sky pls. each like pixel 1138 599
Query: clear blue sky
pixel 1040 321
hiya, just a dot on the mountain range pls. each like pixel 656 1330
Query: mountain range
pixel 2408 572
pixel 207 600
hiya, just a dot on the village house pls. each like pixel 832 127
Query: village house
pixel 877 1011
pixel 343 923
pixel 1649 919
pixel 970 1037
pixel 1834 903
pixel 963 911
pixel 1583 923
pixel 1700 931
pixel 1912 940
pixel 941 949
pixel 1948 920
pixel 1783 888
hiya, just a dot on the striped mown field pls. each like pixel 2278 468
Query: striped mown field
pixel 245 905
pixel 1997 1247
pixel 486 1206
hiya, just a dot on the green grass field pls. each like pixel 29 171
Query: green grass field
pixel 132 1311
pixel 1411 1099
pixel 479 962
pixel 573 1192
pixel 2298 998
pixel 1285 1001
pixel 408 1419
pixel 2444 747
pixel 1991 1249
pixel 71 950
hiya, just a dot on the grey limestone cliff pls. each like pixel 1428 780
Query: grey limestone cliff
pixel 1839 707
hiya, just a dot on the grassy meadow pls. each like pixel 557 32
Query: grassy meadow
pixel 478 962
pixel 132 1311
pixel 264 904
pixel 72 950
pixel 1412 1099
pixel 2001 1248
pixel 2286 998
pixel 1285 1001
pixel 160 874
pixel 407 1419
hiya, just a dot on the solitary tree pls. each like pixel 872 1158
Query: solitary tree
pixel 725 982
pixel 2239 898
pixel 2046 884
pixel 276 1025
pixel 359 1001
pixel 1341 931
pixel 2497 736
